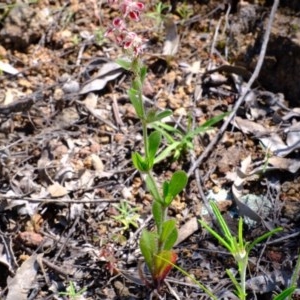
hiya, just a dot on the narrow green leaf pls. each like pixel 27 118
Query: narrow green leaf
pixel 139 162
pixel 207 125
pixel 217 236
pixel 177 183
pixel 148 246
pixel 151 113
pixel 137 84
pixel 143 73
pixel 157 212
pixel 125 64
pixel 166 152
pixel 169 234
pixel 285 293
pixel 168 128
pixel 238 287
pixel 222 222
pixel 192 278
pixel 263 237
pixel 165 188
pixel 151 185
pixel 163 114
pixel 164 132
pixel 154 140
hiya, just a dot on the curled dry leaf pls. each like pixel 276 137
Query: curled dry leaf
pixel 109 71
pixel 56 190
pixel 237 190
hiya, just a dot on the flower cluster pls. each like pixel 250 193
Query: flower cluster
pixel 128 40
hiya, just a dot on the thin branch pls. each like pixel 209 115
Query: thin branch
pixel 241 99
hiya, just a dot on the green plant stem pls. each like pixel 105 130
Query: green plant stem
pixel 242 271
pixel 157 197
pixel 145 136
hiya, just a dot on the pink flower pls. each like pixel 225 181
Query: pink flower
pixel 117 24
pixel 134 42
pixel 132 9
pixel 126 39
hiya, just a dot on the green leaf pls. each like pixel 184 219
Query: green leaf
pixel 157 212
pixel 163 263
pixel 136 102
pixel 166 152
pixel 238 287
pixel 177 183
pixel 137 84
pixel 263 237
pixel 151 113
pixel 285 293
pixel 125 64
pixel 169 234
pixel 139 162
pixel 207 125
pixel 165 188
pixel 222 241
pixel 143 73
pixel 192 278
pixel 148 246
pixel 154 140
pixel 163 114
pixel 227 233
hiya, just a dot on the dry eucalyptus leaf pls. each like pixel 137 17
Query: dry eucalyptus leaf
pixel 22 282
pixel 56 190
pixel 273 142
pixel 247 126
pixel 237 190
pixel 91 101
pixel 108 72
pixel 281 163
pixel 97 163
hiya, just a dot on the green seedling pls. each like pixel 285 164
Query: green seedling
pixel 185 11
pixel 158 14
pixel 71 292
pixel 178 141
pixel 236 245
pixel 99 36
pixel 127 215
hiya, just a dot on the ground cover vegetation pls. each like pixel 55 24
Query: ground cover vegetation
pixel 138 141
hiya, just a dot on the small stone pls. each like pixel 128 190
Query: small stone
pixel 71 86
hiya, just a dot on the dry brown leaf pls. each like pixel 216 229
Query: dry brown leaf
pixel 97 163
pixel 22 282
pixel 56 190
